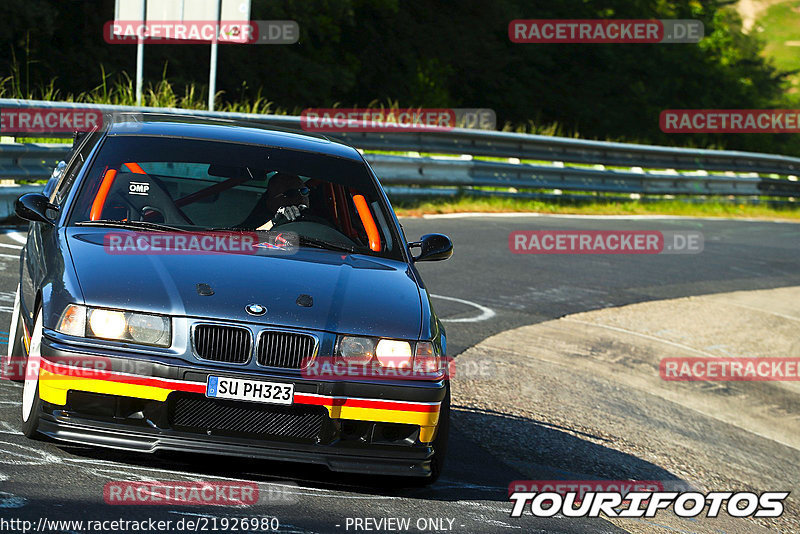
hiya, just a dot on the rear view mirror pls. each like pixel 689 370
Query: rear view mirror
pixel 435 247
pixel 227 171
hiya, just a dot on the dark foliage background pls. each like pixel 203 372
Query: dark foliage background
pixel 432 53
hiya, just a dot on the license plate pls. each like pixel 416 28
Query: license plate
pixel 219 387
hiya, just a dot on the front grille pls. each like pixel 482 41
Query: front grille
pixel 285 349
pixel 228 344
pixel 193 413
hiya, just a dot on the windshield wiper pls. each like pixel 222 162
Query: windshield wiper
pixel 329 245
pixel 144 225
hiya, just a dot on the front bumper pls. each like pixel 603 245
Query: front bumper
pixel 375 428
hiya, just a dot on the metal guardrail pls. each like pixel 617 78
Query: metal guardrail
pixel 577 165
pixel 29 161
pixel 476 173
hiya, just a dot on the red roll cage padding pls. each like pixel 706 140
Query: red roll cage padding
pixel 102 193
pixel 135 168
pixel 369 223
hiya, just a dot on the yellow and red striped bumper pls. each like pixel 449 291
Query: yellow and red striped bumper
pixel 56 379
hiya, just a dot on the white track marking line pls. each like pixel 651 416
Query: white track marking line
pixel 19 237
pixel 9 500
pixel 516 214
pixel 486 313
pixel 523 214
pixel 26 455
pixel 639 334
pixel 106 466
pixel 685 347
pixel 784 316
pixel 112 465
pixel 6 428
pixel 10 256
pixel 18 247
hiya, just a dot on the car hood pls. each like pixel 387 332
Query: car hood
pixel 351 293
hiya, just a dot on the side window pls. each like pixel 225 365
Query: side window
pixel 73 168
pixel 58 172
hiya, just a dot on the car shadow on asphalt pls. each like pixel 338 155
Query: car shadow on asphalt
pixel 548 451
pixel 473 471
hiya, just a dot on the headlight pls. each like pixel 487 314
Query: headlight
pixel 150 329
pixel 140 328
pixel 356 349
pixel 107 323
pixel 388 352
pixel 392 353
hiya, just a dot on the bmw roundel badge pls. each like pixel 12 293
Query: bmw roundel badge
pixel 255 309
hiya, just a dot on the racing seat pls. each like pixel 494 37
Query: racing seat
pixel 142 197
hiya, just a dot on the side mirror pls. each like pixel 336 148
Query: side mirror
pixel 34 207
pixel 435 247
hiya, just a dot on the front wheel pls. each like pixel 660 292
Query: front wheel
pixel 31 403
pixel 14 362
pixel 440 441
pixel 439 445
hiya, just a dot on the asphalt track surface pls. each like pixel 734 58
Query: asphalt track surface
pixel 484 289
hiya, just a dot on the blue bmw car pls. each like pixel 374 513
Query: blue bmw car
pixel 153 314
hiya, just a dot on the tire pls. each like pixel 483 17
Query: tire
pixel 440 441
pixel 31 403
pixel 14 363
pixel 439 448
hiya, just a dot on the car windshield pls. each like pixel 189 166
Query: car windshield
pixel 191 184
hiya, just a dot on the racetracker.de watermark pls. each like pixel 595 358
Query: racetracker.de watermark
pixel 201 31
pixel 68 368
pixel 198 243
pixel 402 119
pixel 388 368
pixel 87 366
pixel 605 242
pixel 44 120
pixel 752 369
pixel 172 492
pixel 730 121
pixel 543 31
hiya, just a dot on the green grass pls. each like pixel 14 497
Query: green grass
pixel 712 208
pixel 162 94
pixel 779 25
pixel 121 91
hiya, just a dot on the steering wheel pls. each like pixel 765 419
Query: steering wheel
pixel 307 217
pixel 284 220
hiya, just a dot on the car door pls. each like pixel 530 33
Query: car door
pixel 32 258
